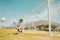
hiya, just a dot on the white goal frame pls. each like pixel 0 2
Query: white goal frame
pixel 49 20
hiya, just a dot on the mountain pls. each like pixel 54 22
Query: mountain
pixel 40 22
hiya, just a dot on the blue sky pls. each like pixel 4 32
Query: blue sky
pixel 12 10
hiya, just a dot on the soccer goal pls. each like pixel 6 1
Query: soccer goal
pixel 54 17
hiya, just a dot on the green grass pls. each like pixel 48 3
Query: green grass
pixel 12 34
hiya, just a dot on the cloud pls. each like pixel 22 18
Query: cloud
pixel 55 17
pixel 44 14
pixel 38 16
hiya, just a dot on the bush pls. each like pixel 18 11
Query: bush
pixel 26 28
pixel 46 27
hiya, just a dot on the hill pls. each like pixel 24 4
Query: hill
pixel 40 22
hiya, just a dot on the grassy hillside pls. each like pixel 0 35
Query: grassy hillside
pixel 12 34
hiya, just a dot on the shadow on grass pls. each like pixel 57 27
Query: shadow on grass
pixel 12 33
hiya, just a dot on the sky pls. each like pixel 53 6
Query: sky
pixel 13 10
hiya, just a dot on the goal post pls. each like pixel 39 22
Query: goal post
pixel 49 20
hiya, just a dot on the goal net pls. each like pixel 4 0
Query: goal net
pixel 55 17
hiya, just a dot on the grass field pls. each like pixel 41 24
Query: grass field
pixel 12 34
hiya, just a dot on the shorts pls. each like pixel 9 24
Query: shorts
pixel 19 29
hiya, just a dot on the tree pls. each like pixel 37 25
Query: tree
pixel 26 28
pixel 2 20
pixel 53 27
pixel 40 27
pixel 14 22
pixel 46 27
